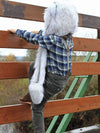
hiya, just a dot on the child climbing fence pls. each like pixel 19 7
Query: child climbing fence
pixel 14 70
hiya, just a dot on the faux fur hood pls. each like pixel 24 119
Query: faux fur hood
pixel 60 18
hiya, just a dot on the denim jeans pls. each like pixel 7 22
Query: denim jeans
pixel 53 85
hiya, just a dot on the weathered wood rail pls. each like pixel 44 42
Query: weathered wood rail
pixel 31 12
pixel 14 70
pixel 15 113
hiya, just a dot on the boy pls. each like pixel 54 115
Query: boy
pixel 52 67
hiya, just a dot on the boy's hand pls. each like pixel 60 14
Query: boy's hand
pixel 36 32
pixel 12 31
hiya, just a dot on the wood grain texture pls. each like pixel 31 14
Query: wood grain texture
pixel 84 44
pixel 85 68
pixel 8 40
pixel 15 113
pixel 21 11
pixel 14 70
pixel 31 12
pixel 89 21
pixel 60 107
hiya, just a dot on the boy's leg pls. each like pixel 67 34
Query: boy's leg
pixel 38 113
pixel 51 88
pixel 38 117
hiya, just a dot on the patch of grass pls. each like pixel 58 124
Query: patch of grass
pixel 11 90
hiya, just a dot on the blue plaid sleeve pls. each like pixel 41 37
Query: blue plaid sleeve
pixel 28 36
pixel 37 39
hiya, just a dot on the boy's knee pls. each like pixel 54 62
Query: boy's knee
pixel 39 107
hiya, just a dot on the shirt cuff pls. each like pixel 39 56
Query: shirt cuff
pixel 20 33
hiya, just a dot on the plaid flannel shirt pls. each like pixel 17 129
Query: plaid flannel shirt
pixel 56 50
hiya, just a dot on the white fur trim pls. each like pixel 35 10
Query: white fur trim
pixel 43 66
pixel 36 89
pixel 36 92
pixel 60 18
pixel 37 64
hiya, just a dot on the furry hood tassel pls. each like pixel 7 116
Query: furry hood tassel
pixel 36 89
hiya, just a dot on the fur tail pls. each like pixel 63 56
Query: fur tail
pixel 36 93
pixel 36 89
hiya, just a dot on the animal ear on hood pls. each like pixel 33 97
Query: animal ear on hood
pixel 60 18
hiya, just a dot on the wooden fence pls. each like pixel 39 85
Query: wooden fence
pixel 14 70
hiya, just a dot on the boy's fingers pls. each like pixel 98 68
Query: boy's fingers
pixel 36 32
pixel 12 31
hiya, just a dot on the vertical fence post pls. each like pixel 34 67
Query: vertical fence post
pixel 99 75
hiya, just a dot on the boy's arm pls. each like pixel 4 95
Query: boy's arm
pixel 28 36
pixel 44 41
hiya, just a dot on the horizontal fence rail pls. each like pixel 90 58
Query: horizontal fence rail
pixel 31 12
pixel 8 40
pixel 15 113
pixel 14 70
